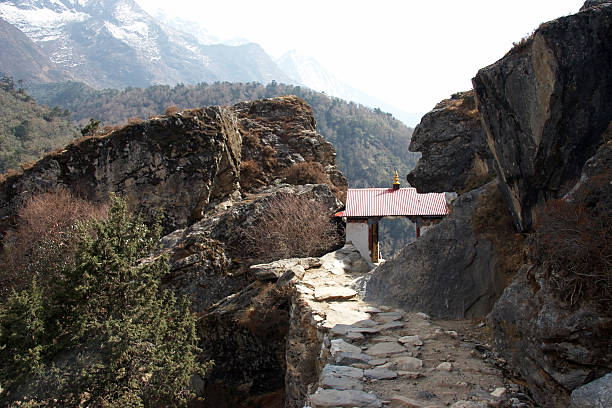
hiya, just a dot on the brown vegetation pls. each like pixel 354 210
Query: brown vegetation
pixel 290 226
pixel 573 242
pixel 493 221
pixel 306 173
pixel 250 175
pixel 171 110
pixel 43 239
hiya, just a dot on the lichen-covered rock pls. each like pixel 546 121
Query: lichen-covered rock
pixel 448 272
pixel 596 393
pixel 181 162
pixel 545 106
pixel 455 155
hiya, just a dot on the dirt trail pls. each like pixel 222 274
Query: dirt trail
pixel 377 356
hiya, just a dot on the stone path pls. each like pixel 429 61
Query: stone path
pixel 376 356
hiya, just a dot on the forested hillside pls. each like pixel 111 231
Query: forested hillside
pixel 28 130
pixel 370 144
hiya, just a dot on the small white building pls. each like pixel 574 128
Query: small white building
pixel 365 207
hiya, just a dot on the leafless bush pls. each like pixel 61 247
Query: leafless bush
pixel 574 242
pixel 306 173
pixel 290 226
pixel 43 239
pixel 171 110
pixel 250 174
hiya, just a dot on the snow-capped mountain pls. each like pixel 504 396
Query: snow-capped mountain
pixel 309 72
pixel 114 43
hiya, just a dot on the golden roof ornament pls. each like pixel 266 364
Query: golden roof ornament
pixel 396 183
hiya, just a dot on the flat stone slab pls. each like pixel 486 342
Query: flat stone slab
pixel 341 346
pixel 391 325
pixel 383 349
pixel 370 309
pixel 366 323
pixel 389 316
pixel 341 383
pixel 598 391
pixel 342 377
pixel 342 370
pixel 344 399
pixel 411 340
pixel 383 339
pixel 378 361
pixel 380 374
pixel 343 358
pixel 407 363
pixel 344 329
pixel 328 293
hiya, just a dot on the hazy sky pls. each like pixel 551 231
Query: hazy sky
pixel 410 54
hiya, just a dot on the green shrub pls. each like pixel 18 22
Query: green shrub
pixel 105 333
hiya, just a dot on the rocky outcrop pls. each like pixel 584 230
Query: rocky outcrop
pixel 555 345
pixel 185 163
pixel 180 163
pixel 206 259
pixel 279 133
pixel 545 105
pixel 449 272
pixel 455 155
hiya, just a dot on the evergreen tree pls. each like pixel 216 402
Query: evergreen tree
pixel 108 335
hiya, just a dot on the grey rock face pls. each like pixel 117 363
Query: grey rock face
pixel 449 272
pixel 592 3
pixel 455 155
pixel 545 106
pixel 179 162
pixel 554 349
pixel 554 346
pixel 597 393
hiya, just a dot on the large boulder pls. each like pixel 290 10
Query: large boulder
pixel 545 105
pixel 455 155
pixel 449 272
pixel 559 342
pixel 180 163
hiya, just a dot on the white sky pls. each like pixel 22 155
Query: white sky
pixel 410 54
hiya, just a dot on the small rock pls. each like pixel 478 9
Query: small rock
pixel 410 374
pixel 499 392
pixel 385 308
pixel 411 340
pixel 354 336
pixel 407 363
pixel 362 366
pixel 377 361
pixel 383 349
pixel 370 309
pixel 451 333
pixel 462 384
pixel 426 395
pixel 345 399
pixel 445 366
pixel 398 401
pixel 328 293
pixel 423 316
pixel 380 374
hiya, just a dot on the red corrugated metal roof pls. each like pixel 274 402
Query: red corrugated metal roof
pixel 380 202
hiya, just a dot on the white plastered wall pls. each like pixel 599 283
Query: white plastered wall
pixel 357 233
